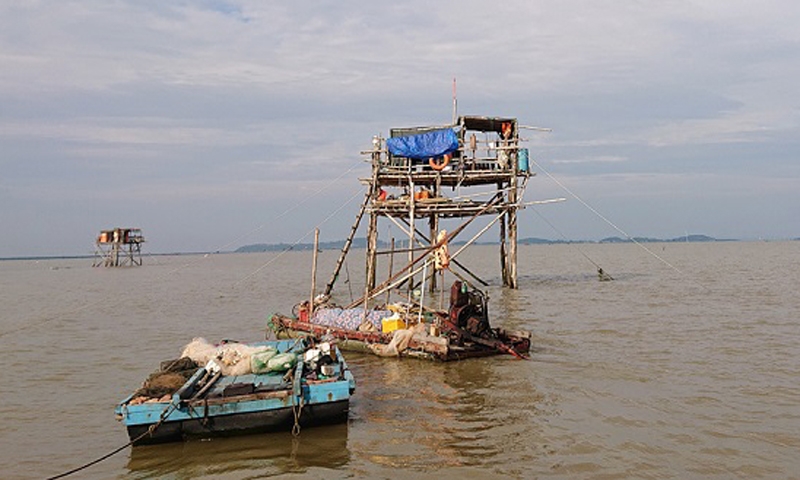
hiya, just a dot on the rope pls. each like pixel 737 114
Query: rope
pixel 297 411
pixel 280 216
pixel 609 222
pixel 296 242
pixel 150 430
pixel 563 237
pixel 167 411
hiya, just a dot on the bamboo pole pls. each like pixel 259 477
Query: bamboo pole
pixel 503 253
pixel 512 231
pixel 411 221
pixel 400 250
pixel 422 289
pixel 388 282
pixel 456 263
pixel 347 244
pixel 313 274
pixel 372 246
pixel 434 225
pixel 476 236
pixel 391 265
pixel 387 285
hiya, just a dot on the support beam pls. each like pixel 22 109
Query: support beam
pixel 411 222
pixel 453 262
pixel 503 253
pixel 372 249
pixel 408 271
pixel 512 233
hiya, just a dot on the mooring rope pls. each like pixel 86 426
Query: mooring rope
pixel 150 430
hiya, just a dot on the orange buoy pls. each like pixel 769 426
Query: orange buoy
pixel 440 166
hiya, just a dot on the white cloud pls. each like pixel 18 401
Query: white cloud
pixel 234 99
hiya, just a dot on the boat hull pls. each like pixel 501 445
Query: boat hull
pixel 217 405
pixel 265 421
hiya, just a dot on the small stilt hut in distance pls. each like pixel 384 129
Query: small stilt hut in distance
pixel 119 247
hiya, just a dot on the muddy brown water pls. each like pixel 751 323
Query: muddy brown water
pixel 684 372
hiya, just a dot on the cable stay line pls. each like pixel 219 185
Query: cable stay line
pixel 612 224
pixel 299 240
pixel 286 212
pixel 563 237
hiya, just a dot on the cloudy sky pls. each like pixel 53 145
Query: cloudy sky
pixel 214 124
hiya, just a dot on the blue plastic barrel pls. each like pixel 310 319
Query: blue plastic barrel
pixel 522 159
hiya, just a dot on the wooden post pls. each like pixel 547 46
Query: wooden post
pixel 372 231
pixel 503 244
pixel 372 247
pixel 313 274
pixel 512 230
pixel 434 227
pixel 411 233
pixel 441 292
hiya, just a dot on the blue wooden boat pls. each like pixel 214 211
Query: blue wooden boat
pixel 315 391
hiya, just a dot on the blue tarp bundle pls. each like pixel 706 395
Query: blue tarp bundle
pixel 424 145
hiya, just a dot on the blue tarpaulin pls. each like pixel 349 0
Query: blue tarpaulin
pixel 424 145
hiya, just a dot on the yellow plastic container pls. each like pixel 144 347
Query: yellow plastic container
pixel 392 323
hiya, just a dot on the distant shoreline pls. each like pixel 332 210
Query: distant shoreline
pixel 360 243
pixel 87 256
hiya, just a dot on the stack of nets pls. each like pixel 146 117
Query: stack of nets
pixel 167 380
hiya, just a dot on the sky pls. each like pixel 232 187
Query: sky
pixel 216 124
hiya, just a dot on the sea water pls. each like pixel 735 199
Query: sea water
pixel 687 365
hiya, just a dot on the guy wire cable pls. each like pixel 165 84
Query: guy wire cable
pixel 286 212
pixel 639 244
pixel 563 237
pixel 304 236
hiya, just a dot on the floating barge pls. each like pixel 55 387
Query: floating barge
pixel 462 332
pixel 313 389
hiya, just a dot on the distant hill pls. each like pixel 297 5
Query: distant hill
pixel 683 239
pixel 544 241
pixel 279 247
pixel 361 242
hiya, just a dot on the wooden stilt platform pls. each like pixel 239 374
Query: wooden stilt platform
pixel 119 247
pixel 423 178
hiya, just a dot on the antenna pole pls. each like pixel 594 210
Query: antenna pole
pixel 455 102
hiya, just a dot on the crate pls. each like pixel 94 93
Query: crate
pixel 392 323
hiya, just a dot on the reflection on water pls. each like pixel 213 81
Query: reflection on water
pixel 265 455
pixel 425 416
